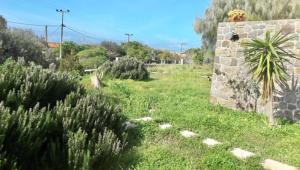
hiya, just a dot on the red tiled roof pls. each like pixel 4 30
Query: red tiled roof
pixel 53 44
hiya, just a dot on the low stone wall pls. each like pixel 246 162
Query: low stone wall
pixel 229 65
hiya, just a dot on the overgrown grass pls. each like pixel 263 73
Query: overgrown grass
pixel 180 95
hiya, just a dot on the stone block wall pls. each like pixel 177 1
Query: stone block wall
pixel 229 65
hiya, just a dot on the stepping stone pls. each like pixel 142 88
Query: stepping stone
pixel 129 125
pixel 187 134
pixel 144 119
pixel 241 154
pixel 275 165
pixel 165 126
pixel 152 110
pixel 211 142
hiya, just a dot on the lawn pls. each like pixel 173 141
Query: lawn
pixel 179 95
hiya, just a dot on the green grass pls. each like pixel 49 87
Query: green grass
pixel 180 95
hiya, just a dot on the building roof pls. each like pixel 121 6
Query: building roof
pixel 53 44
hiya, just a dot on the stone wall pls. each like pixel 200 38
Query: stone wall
pixel 229 65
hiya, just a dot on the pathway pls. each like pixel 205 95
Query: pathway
pixel 239 153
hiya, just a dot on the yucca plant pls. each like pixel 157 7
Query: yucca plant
pixel 266 59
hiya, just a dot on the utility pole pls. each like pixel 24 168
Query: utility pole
pixel 46 33
pixel 62 29
pixel 128 36
pixel 181 46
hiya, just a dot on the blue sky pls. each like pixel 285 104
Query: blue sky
pixel 158 23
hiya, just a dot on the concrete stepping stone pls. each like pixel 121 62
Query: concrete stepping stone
pixel 129 125
pixel 145 119
pixel 275 165
pixel 211 142
pixel 187 134
pixel 165 126
pixel 152 110
pixel 241 154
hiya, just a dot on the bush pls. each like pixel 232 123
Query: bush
pixel 113 49
pixel 93 57
pixel 17 43
pixel 70 63
pixel 69 48
pixel 137 50
pixel 127 68
pixel 48 121
pixel 27 86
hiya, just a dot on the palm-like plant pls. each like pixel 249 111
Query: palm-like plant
pixel 266 58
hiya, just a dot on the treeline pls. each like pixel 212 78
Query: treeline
pixel 19 43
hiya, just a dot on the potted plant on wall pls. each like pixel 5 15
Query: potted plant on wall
pixel 236 15
pixel 266 58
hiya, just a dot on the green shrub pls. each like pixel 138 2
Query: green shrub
pixel 93 57
pixel 127 68
pixel 48 121
pixel 70 63
pixel 137 50
pixel 113 50
pixel 17 43
pixel 68 48
pixel 27 86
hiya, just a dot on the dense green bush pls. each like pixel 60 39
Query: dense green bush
pixel 27 86
pixel 93 57
pixel 137 50
pixel 126 68
pixel 113 49
pixel 68 48
pixel 70 63
pixel 17 43
pixel 48 121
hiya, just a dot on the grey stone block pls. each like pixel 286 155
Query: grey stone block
pixel 292 107
pixel 288 114
pixel 233 62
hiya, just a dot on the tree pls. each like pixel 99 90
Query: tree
pixel 255 10
pixel 196 54
pixel 69 47
pixel 17 43
pixel 113 49
pixel 92 58
pixel 137 50
pixel 3 23
pixel 266 59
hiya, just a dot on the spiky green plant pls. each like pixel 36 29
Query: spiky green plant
pixel 266 59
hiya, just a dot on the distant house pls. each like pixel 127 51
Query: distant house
pixel 53 44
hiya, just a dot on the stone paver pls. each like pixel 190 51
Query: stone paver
pixel 165 126
pixel 187 133
pixel 129 125
pixel 145 119
pixel 241 154
pixel 275 165
pixel 211 142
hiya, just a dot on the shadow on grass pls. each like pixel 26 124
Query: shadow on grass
pixel 149 80
pixel 129 158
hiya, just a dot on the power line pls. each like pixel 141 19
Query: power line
pixel 29 24
pixel 82 34
pixel 51 33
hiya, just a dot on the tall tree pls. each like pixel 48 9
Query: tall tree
pixel 255 10
pixel 3 23
pixel 137 50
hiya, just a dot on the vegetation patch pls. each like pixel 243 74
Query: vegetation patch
pixel 127 68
